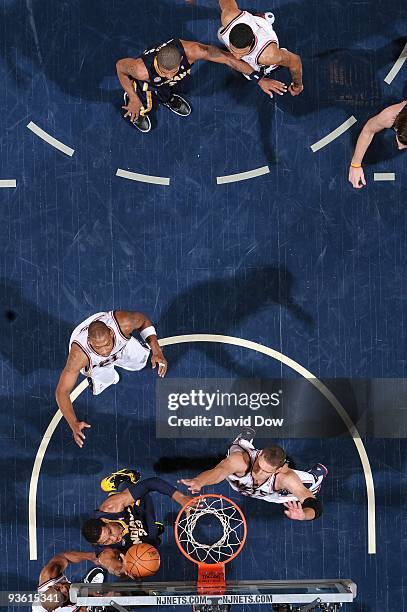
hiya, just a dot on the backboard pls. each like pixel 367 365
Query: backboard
pixel 260 592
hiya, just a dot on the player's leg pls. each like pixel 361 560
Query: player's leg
pixel 134 355
pixel 101 378
pixel 176 103
pixel 142 123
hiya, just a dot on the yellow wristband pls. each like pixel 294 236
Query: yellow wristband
pixel 356 165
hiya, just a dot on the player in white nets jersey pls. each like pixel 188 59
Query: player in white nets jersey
pixel 252 38
pixel 54 586
pixel 264 474
pixel 97 345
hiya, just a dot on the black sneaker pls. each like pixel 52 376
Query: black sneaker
pixel 247 435
pixel 96 575
pixel 318 471
pixel 142 123
pixel 178 105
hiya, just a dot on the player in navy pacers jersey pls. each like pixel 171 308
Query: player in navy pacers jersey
pixel 128 517
pixel 153 76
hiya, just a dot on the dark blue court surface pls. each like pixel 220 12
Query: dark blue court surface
pixel 295 259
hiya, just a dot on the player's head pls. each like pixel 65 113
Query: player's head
pixel 168 61
pixel 55 597
pixel 269 461
pixel 400 127
pixel 241 40
pixel 104 533
pixel 101 338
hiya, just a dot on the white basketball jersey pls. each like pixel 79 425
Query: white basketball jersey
pixel 80 337
pixel 46 585
pixel 263 32
pixel 266 491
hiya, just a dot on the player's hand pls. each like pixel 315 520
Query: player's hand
pixel 77 432
pixel 271 85
pixel 295 90
pixel 158 359
pixel 192 484
pixel 294 511
pixel 112 561
pixel 357 177
pixel 133 109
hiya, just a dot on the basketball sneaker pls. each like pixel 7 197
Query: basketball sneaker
pixel 247 435
pixel 142 123
pixel 178 105
pixel 111 483
pixel 319 471
pixel 96 575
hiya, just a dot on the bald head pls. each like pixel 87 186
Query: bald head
pixel 98 331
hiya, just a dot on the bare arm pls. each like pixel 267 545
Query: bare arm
pixel 112 561
pixel 229 10
pixel 274 55
pixel 198 51
pixel 127 70
pixel 383 120
pixel 137 321
pixel 76 361
pixel 60 562
pixel 233 464
pixel 294 509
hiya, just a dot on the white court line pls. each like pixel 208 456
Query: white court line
pixel 143 178
pixel 334 134
pixel 242 176
pixel 8 183
pixel 254 346
pixel 57 144
pixel 398 64
pixel 384 176
pixel 32 496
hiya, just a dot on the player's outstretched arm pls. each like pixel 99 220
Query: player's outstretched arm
pixel 307 508
pixel 231 465
pixel 137 321
pixel 229 10
pixel 274 55
pixel 383 120
pixel 112 561
pixel 76 361
pixel 129 69
pixel 198 51
pixel 60 562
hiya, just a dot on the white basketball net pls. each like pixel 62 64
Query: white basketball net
pixel 231 520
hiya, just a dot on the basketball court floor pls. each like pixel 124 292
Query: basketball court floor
pixel 292 258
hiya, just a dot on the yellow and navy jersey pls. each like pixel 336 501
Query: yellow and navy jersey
pixel 138 525
pixel 149 57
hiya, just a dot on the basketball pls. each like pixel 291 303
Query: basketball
pixel 141 560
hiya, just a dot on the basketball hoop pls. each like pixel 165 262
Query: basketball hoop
pixel 211 557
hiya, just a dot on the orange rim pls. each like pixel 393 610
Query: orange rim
pixel 193 501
